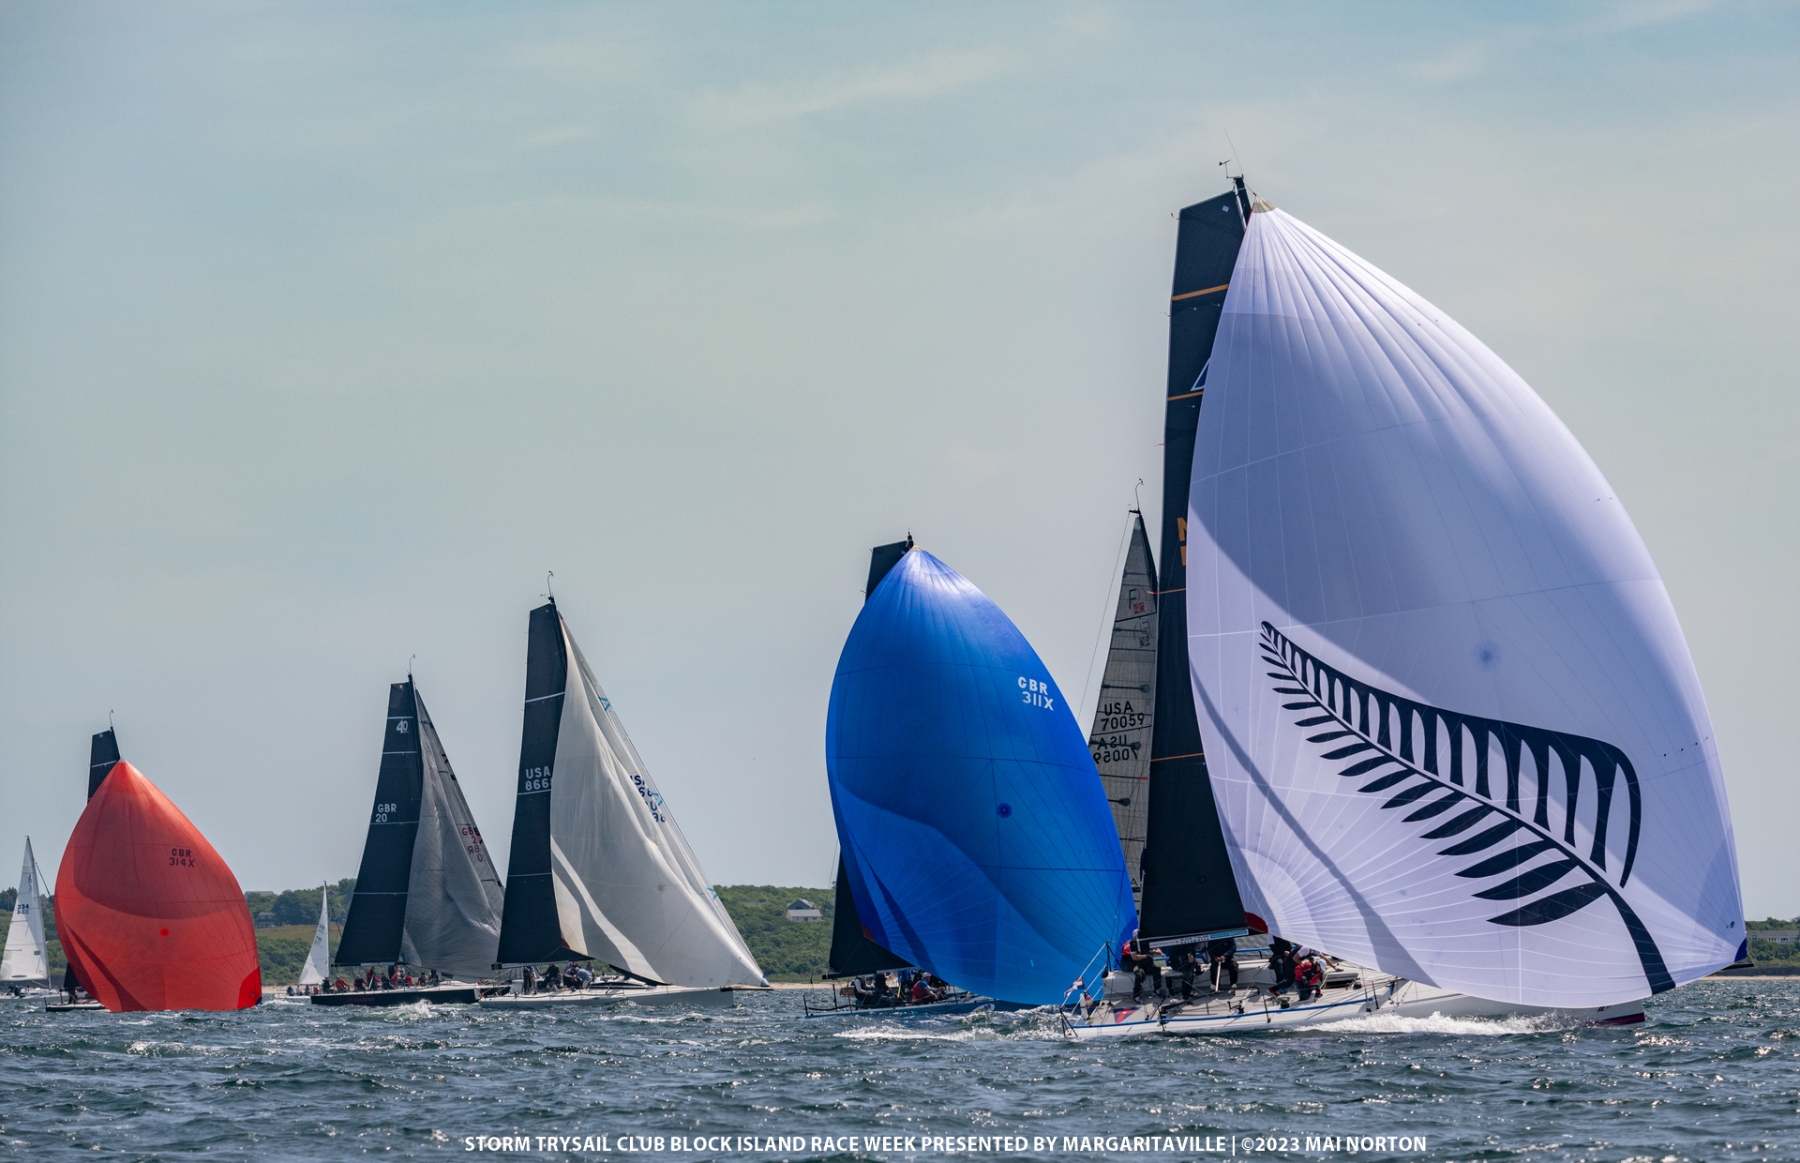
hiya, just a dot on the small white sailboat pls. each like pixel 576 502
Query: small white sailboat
pixel 599 870
pixel 24 967
pixel 318 958
pixel 1438 716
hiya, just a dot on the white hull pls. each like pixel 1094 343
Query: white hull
pixel 642 995
pixel 1256 1009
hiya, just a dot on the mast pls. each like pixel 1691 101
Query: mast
pixel 376 922
pixel 1189 891
pixel 853 951
pixel 1120 739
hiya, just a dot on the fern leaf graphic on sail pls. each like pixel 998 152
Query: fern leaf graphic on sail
pixel 1450 720
pixel 1374 731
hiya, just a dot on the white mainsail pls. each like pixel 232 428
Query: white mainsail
pixel 24 959
pixel 454 896
pixel 318 958
pixel 628 889
pixel 1450 718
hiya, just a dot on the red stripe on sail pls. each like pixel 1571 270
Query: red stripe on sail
pixel 149 915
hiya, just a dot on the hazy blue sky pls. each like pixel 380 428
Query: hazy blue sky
pixel 326 330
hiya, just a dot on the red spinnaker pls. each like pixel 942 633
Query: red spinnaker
pixel 149 916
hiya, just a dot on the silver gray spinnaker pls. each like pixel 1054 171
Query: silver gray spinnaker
pixel 1450 718
pixel 24 962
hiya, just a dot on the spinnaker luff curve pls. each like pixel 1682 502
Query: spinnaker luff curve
pixel 1450 717
pixel 148 913
pixel 983 847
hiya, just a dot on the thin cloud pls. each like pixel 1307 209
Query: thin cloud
pixel 925 77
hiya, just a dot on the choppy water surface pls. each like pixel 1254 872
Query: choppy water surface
pixel 1714 1074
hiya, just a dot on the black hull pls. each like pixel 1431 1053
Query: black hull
pixel 461 995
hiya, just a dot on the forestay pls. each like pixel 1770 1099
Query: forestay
pixel 978 844
pixel 1452 722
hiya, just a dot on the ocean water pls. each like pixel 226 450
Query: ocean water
pixel 1714 1074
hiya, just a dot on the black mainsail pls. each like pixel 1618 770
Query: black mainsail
pixel 853 951
pixel 530 930
pixel 426 893
pixel 377 916
pixel 102 755
pixel 1120 739
pixel 1189 890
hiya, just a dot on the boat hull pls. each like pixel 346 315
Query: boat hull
pixel 1248 1010
pixel 614 995
pixel 435 995
pixel 70 1007
pixel 967 1005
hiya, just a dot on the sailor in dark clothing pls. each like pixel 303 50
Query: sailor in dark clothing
pixel 1223 953
pixel 531 980
pixel 1142 963
pixel 1281 964
pixel 1185 960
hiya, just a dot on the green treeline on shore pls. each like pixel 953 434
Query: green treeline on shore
pixel 786 950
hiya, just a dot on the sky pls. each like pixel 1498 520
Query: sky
pixel 327 331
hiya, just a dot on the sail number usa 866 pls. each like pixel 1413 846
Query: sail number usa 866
pixel 534 778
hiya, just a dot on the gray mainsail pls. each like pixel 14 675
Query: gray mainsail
pixel 453 909
pixel 1120 740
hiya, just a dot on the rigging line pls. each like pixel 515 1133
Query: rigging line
pixel 1105 622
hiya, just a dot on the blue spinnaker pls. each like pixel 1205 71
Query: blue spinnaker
pixel 977 840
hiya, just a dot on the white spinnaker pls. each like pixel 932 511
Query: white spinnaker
pixel 318 958
pixel 454 897
pixel 1406 514
pixel 24 958
pixel 620 866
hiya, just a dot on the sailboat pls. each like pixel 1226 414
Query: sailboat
pixel 318 958
pixel 854 951
pixel 599 870
pixel 1125 711
pixel 1429 705
pixel 976 841
pixel 426 893
pixel 24 966
pixel 149 915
